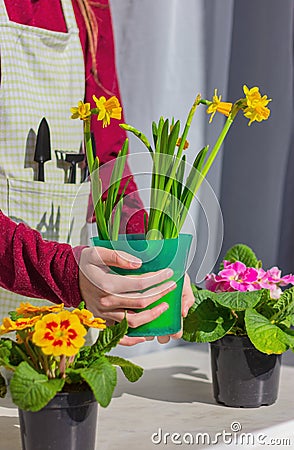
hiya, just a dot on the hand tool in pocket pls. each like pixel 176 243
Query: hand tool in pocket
pixel 43 148
pixel 71 159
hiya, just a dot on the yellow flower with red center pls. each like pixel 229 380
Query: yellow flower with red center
pixel 256 106
pixel 108 109
pixel 27 310
pixel 87 319
pixel 59 334
pixel 218 106
pixel 17 325
pixel 82 111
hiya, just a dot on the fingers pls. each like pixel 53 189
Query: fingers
pixel 187 296
pixel 134 283
pixel 135 300
pixel 136 319
pixel 129 341
pixel 163 339
pixel 115 258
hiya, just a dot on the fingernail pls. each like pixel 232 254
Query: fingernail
pixel 169 272
pixel 135 261
pixel 164 306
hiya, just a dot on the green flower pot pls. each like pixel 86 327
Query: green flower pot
pixel 156 255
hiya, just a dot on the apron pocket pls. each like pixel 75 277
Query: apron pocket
pixel 57 211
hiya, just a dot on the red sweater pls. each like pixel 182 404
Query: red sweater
pixel 37 268
pixel 48 14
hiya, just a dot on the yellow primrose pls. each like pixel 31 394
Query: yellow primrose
pixel 87 319
pixel 82 111
pixel 255 107
pixel 108 109
pixel 17 325
pixel 218 106
pixel 27 310
pixel 59 334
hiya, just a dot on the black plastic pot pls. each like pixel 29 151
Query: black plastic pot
pixel 242 376
pixel 68 422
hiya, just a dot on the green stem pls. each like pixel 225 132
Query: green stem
pixel 88 144
pixel 214 151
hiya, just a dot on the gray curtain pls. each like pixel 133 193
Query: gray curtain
pixel 257 187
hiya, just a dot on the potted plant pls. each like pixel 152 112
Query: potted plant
pixel 246 317
pixel 172 190
pixel 56 380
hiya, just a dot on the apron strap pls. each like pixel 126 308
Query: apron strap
pixel 68 13
pixel 69 16
pixel 4 18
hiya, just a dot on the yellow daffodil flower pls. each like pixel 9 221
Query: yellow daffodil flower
pixel 218 106
pixel 186 145
pixel 27 310
pixel 82 111
pixel 255 107
pixel 108 109
pixel 59 334
pixel 17 325
pixel 87 319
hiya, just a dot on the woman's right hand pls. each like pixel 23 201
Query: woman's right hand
pixel 111 296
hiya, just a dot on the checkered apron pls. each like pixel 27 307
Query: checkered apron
pixel 42 75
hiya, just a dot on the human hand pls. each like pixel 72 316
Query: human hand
pixel 187 301
pixel 110 296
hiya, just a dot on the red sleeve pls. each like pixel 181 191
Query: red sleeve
pixel 110 139
pixel 34 267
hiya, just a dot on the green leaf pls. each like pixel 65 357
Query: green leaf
pixel 31 390
pixel 73 376
pixel 266 336
pixel 284 306
pixel 208 322
pixel 164 138
pixel 173 137
pixel 11 354
pixel 131 371
pixel 242 253
pixel 3 387
pixel 116 179
pixel 193 183
pixel 101 376
pixel 237 300
pixel 110 337
pixel 5 352
pixel 96 187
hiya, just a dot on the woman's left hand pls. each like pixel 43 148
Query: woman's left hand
pixel 187 301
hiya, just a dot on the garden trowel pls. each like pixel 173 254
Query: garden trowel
pixel 43 148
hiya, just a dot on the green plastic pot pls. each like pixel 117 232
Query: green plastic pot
pixel 156 255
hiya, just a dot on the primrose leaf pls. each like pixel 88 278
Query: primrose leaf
pixel 110 337
pixel 266 336
pixel 242 253
pixel 5 352
pixel 101 376
pixel 31 390
pixel 131 371
pixel 208 322
pixel 284 306
pixel 3 387
pixel 237 300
